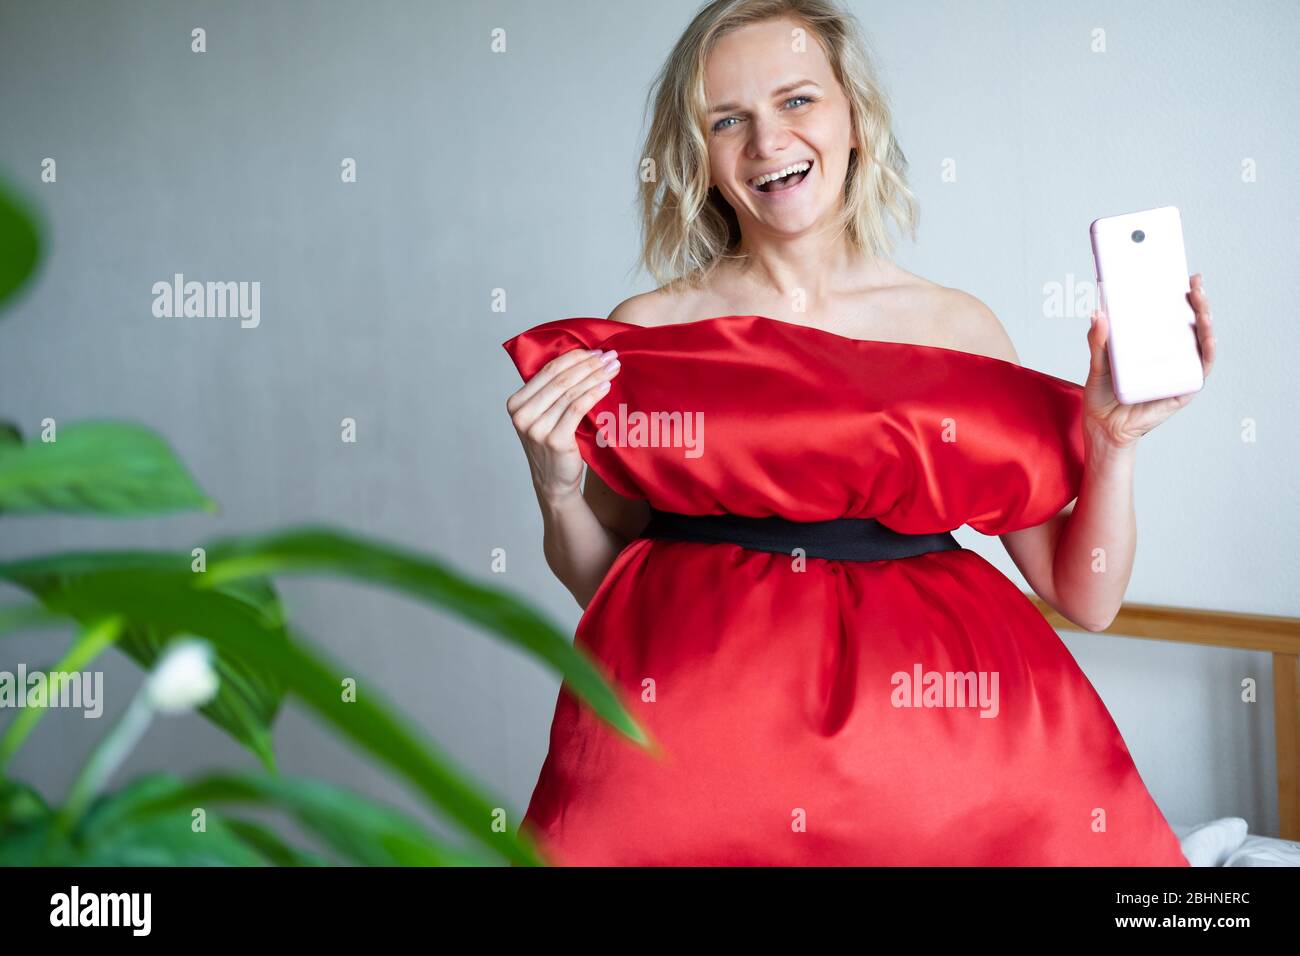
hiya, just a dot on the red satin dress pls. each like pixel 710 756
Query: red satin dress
pixel 779 689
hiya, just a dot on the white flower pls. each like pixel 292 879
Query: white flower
pixel 184 678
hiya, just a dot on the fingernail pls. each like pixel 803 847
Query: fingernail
pixel 609 356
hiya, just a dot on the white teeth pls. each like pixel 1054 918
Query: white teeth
pixel 768 177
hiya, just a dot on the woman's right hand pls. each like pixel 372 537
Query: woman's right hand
pixel 546 412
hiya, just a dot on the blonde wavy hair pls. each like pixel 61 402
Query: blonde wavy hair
pixel 687 227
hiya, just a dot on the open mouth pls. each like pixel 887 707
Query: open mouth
pixel 782 179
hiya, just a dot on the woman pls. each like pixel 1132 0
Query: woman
pixel 832 679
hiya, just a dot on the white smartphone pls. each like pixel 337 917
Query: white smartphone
pixel 1144 286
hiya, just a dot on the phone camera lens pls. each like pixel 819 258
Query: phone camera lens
pixel 1138 235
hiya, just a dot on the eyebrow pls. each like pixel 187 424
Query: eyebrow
pixel 788 88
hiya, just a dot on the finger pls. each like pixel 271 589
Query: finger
pixel 558 384
pixel 1205 340
pixel 556 409
pixel 1204 322
pixel 547 373
pixel 548 420
pixel 1099 360
pixel 568 423
pixel 1198 298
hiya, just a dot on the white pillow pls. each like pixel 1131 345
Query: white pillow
pixel 1210 844
pixel 1265 851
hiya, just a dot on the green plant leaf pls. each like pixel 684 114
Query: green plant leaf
pixel 249 698
pixel 361 830
pixel 22 617
pixel 20 242
pixel 115 469
pixel 113 837
pixel 126 825
pixel 155 841
pixel 20 805
pixel 93 640
pixel 268 843
pixel 247 701
pixel 112 810
pixel 323 550
pixel 162 597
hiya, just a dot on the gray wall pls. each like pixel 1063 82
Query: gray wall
pixel 515 171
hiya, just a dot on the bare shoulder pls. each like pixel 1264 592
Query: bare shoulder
pixel 648 308
pixel 973 325
pixel 953 318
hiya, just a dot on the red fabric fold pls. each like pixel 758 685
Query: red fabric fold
pixel 811 425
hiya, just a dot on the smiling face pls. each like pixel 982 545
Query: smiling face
pixel 776 112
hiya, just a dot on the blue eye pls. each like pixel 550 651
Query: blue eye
pixel 718 127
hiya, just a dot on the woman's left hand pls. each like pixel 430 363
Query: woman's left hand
pixel 1118 425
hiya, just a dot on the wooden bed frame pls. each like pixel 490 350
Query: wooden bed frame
pixel 1280 636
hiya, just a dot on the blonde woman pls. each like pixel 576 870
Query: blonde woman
pixel 781 439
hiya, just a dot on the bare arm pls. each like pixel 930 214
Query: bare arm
pixel 579 549
pixel 1081 560
pixel 545 412
pixel 1094 554
pixel 585 533
pixel 1097 532
pixel 583 530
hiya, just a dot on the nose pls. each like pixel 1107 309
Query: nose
pixel 768 136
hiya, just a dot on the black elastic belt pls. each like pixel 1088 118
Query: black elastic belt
pixel 841 539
